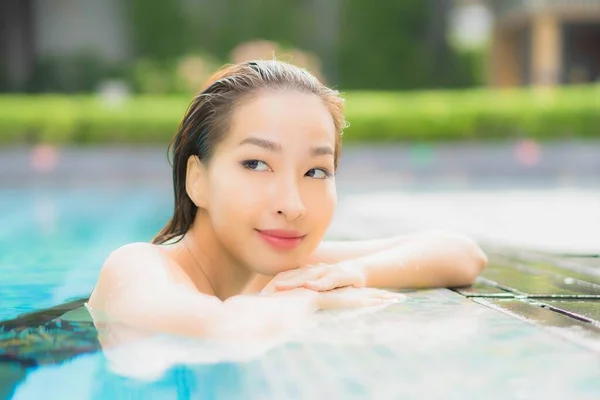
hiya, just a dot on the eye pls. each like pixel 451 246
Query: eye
pixel 255 165
pixel 319 173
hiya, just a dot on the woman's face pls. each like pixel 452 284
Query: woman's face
pixel 274 171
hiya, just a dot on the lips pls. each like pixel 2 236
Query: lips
pixel 281 239
pixel 282 233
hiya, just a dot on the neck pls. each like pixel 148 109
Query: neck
pixel 210 261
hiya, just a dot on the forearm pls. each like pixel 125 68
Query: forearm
pixel 247 316
pixel 182 312
pixel 430 259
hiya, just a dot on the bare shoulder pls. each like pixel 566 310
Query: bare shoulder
pixel 132 258
pixel 142 286
pixel 132 264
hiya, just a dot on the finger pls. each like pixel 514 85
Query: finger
pixel 293 274
pixel 270 287
pixel 358 303
pixel 288 285
pixel 393 296
pixel 382 294
pixel 387 295
pixel 290 274
pixel 377 302
pixel 301 279
pixel 319 264
pixel 268 290
pixel 332 280
pixel 324 284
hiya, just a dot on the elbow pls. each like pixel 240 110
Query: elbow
pixel 479 258
pixel 474 264
pixel 470 259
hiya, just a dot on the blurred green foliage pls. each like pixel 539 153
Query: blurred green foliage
pixel 400 45
pixel 74 73
pixel 476 114
pixel 160 29
pixel 387 45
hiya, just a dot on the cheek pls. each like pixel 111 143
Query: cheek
pixel 322 208
pixel 234 202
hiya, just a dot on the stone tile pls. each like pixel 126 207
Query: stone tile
pixel 537 282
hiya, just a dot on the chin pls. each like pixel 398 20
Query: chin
pixel 266 260
pixel 274 267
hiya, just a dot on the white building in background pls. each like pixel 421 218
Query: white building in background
pixel 532 42
pixel 545 42
pixel 470 24
pixel 34 29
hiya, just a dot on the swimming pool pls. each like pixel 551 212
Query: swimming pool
pixel 436 344
pixel 53 241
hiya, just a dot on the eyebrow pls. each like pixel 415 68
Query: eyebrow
pixel 272 146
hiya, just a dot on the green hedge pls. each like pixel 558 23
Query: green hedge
pixel 374 116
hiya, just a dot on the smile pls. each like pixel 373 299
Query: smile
pixel 281 240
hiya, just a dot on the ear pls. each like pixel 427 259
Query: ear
pixel 196 181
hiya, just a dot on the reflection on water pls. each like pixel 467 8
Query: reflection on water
pixel 397 351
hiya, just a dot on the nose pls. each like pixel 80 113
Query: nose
pixel 288 200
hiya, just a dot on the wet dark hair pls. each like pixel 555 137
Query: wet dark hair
pixel 207 120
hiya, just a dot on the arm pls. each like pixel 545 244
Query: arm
pixel 333 252
pixel 420 260
pixel 428 259
pixel 136 289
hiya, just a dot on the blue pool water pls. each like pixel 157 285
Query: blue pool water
pixel 53 242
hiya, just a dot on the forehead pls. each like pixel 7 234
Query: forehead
pixel 285 116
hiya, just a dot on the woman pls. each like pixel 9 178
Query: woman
pixel 253 173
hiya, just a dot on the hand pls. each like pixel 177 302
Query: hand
pixel 350 297
pixel 347 297
pixel 320 277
